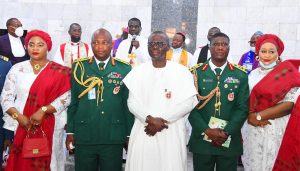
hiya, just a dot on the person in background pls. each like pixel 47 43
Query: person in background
pixel 34 94
pixel 12 43
pixel 248 59
pixel 273 88
pixel 119 40
pixel 5 66
pixel 178 54
pixel 73 49
pixel 134 49
pixel 202 53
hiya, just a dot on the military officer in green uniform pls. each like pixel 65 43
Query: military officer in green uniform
pixel 216 121
pixel 98 117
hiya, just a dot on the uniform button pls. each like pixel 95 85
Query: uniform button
pixel 102 100
pixel 118 120
pixel 102 112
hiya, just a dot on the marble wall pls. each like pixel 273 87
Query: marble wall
pixel 241 18
pixel 176 16
pixel 55 16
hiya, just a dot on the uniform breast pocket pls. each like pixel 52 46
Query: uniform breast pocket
pixel 230 91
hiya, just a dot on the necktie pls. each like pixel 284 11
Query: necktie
pixel 101 65
pixel 218 71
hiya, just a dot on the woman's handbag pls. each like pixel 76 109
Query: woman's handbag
pixel 35 146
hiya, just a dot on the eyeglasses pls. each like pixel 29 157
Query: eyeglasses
pixel 156 44
pixel 104 43
pixel 223 44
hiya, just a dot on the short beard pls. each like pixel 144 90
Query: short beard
pixel 75 39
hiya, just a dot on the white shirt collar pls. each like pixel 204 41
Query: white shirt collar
pixel 98 61
pixel 213 66
pixel 74 44
pixel 16 45
pixel 130 37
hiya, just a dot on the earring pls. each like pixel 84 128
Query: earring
pixel 279 59
pixel 257 58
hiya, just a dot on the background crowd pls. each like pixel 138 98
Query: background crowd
pixel 136 93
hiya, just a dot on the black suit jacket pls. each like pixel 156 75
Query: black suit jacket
pixel 5 50
pixel 203 54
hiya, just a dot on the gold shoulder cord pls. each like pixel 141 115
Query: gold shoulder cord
pixel 207 97
pixel 88 83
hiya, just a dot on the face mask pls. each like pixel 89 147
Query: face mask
pixel 271 65
pixel 19 31
pixel 252 49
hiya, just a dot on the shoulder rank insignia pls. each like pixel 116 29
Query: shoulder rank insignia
pixel 122 61
pixel 4 58
pixel 239 67
pixel 81 59
pixel 195 66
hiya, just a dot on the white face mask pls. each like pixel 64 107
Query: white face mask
pixel 252 49
pixel 19 31
pixel 269 66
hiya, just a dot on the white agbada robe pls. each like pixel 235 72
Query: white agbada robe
pixel 148 86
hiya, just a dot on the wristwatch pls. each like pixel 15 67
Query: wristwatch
pixel 44 109
pixel 15 115
pixel 258 117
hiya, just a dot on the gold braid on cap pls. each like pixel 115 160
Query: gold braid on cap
pixel 88 83
pixel 207 97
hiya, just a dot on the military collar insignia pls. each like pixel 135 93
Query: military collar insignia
pixel 113 62
pixel 91 60
pixel 205 67
pixel 230 66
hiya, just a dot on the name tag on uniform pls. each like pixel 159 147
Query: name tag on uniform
pixel 92 94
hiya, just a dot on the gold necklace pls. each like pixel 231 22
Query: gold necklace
pixel 36 67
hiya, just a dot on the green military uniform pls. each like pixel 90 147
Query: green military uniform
pixel 234 109
pixel 99 118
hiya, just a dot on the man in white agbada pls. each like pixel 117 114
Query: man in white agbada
pixel 161 95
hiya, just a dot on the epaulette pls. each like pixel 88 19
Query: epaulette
pixel 120 60
pixel 195 67
pixel 4 58
pixel 81 59
pixel 240 67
